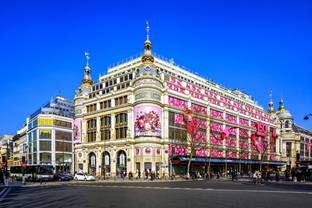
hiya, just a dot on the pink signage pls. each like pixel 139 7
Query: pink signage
pixel 147 120
pixel 77 131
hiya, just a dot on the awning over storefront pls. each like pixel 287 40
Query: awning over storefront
pixel 223 160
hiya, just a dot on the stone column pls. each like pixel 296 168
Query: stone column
pixel 85 162
pixel 165 123
pixel 113 137
pixel 113 163
pixel 130 124
pixel 84 126
pixel 98 163
pixel 98 129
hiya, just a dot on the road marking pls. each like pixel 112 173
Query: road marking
pixel 5 193
pixel 194 189
pixel 4 190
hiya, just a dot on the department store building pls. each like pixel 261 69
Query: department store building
pixel 130 120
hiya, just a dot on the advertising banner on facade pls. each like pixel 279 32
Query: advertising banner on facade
pixel 147 120
pixel 77 131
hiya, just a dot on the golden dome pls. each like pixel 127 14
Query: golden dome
pixel 147 56
pixel 271 108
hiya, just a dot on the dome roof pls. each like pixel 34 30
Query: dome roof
pixel 284 115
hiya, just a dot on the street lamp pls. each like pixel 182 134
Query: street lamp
pixel 7 156
pixel 307 116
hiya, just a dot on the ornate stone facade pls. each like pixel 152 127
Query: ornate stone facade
pixel 129 120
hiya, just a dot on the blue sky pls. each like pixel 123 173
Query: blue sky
pixel 256 46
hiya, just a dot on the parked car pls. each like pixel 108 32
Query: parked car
pixel 83 177
pixel 62 177
pixel 90 177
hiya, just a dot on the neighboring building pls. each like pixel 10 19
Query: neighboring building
pixel 20 146
pixel 49 135
pixel 129 119
pixel 6 154
pixel 296 141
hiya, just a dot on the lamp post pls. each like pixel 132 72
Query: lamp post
pixel 307 116
pixel 7 156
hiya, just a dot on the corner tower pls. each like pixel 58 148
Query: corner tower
pixel 148 111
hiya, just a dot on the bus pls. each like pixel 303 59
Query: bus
pixel 33 172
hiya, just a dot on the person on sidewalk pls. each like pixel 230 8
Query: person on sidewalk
pixel 277 175
pixel 6 178
pixel 1 177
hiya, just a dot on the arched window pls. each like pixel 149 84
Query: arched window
pixel 92 163
pixel 287 124
pixel 121 163
pixel 106 163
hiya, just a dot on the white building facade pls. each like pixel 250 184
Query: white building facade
pixel 49 136
pixel 130 120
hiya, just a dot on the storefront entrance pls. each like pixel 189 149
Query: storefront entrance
pixel 121 167
pixel 92 164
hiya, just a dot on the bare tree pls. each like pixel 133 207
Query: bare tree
pixel 263 144
pixel 195 141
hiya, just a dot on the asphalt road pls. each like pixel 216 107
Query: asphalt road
pixel 160 194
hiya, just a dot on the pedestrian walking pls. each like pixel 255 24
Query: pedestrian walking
pixel 6 178
pixel 277 175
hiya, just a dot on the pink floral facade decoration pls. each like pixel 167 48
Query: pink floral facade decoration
pixel 212 97
pixel 229 130
pixel 243 122
pixel 200 137
pixel 244 156
pixel 177 103
pixel 217 153
pixel 216 114
pixel 232 155
pixel 253 125
pixel 243 144
pixel 199 109
pixel 254 156
pixel 158 151
pixel 273 158
pixel 201 123
pixel 170 149
pixel 230 118
pixel 148 150
pixel 176 150
pixel 243 133
pixel 230 141
pixel 200 152
pixel 216 141
pixel 180 150
pixel 259 146
pixel 308 146
pixel 178 119
pixel 216 127
pixel 147 120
